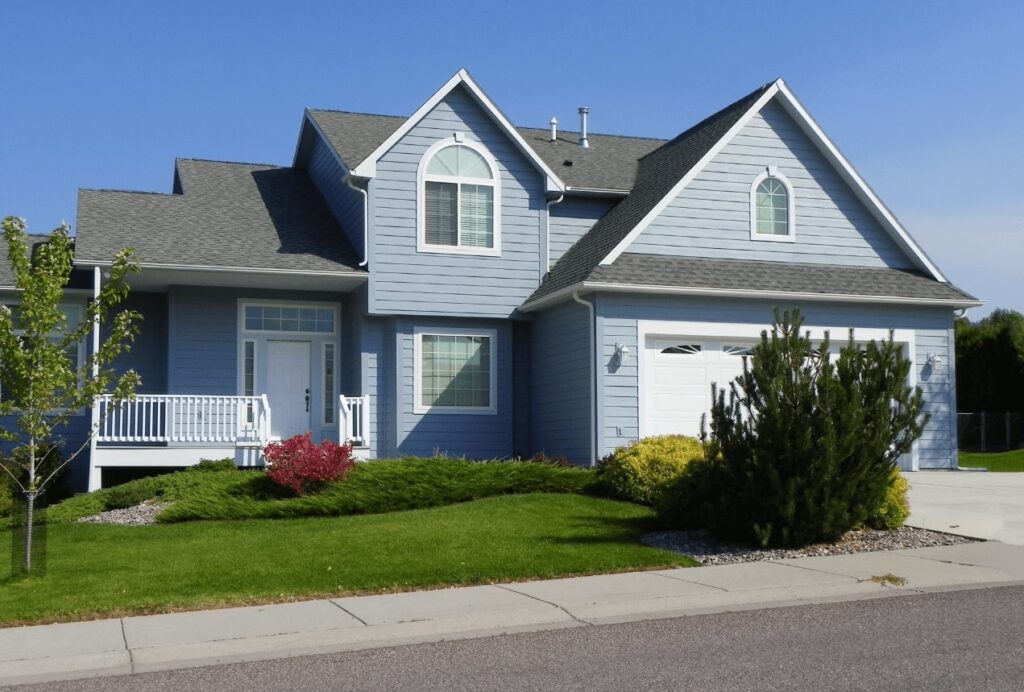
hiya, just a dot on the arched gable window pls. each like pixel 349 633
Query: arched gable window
pixel 459 193
pixel 772 214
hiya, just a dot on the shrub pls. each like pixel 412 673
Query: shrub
pixel 685 499
pixel 557 460
pixel 895 508
pixel 209 465
pixel 302 465
pixel 638 471
pixel 131 494
pixel 6 500
pixel 808 446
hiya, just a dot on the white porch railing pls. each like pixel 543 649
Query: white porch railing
pixel 175 419
pixel 354 421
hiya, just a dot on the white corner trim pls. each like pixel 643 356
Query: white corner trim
pixel 368 167
pixel 417 371
pixel 692 173
pixel 773 172
pixel 421 213
pixel 860 188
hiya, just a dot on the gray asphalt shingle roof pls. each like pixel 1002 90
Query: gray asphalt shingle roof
pixel 658 172
pixel 609 164
pixel 779 277
pixel 241 215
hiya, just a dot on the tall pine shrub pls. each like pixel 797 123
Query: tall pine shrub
pixel 802 448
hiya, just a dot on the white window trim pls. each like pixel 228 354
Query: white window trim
pixel 773 172
pixel 682 330
pixel 243 304
pixel 75 312
pixel 418 334
pixel 332 402
pixel 422 177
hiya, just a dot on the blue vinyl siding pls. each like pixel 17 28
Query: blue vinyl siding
pixel 148 356
pixel 711 216
pixel 346 204
pixel 477 436
pixel 560 421
pixel 410 282
pixel 570 220
pixel 619 389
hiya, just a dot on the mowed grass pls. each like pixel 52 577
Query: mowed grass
pixel 98 570
pixel 1012 461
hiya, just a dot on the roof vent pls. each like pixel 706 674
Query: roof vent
pixel 583 127
pixel 554 129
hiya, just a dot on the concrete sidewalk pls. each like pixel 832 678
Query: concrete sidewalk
pixel 180 640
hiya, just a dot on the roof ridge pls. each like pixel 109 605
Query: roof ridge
pixel 127 192
pixel 594 134
pixel 347 112
pixel 224 161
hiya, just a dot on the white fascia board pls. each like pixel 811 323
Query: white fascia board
pixel 853 179
pixel 368 167
pixel 565 293
pixel 767 96
pixel 234 270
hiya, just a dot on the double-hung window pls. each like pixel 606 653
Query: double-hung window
pixel 460 199
pixel 455 371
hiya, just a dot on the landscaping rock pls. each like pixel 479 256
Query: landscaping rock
pixel 139 515
pixel 706 550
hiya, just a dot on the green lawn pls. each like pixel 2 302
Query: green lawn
pixel 994 461
pixel 108 570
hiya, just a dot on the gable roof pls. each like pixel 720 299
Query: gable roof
pixel 699 276
pixel 658 173
pixel 230 215
pixel 609 164
pixel 367 168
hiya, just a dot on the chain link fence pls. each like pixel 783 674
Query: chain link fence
pixel 990 432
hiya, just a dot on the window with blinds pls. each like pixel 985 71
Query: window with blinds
pixel 459 192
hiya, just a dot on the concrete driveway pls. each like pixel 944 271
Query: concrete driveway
pixel 969 503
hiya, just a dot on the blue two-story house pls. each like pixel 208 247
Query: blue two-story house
pixel 450 283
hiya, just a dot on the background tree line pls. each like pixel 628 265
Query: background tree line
pixel 990 363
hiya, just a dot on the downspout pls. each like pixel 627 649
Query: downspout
pixel 547 233
pixel 592 324
pixel 366 218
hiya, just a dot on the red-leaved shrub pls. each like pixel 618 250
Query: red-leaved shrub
pixel 302 465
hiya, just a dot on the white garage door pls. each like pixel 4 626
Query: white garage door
pixel 678 372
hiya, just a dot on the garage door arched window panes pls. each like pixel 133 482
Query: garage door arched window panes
pixel 460 195
pixel 682 350
pixel 742 351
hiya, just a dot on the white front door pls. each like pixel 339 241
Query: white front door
pixel 288 387
pixel 678 376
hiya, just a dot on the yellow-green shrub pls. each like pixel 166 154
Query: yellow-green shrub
pixel 639 471
pixel 895 509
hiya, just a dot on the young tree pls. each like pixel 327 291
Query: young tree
pixel 41 387
pixel 807 446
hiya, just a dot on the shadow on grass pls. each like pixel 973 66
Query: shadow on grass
pixel 606 530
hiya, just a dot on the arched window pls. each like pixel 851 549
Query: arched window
pixel 460 196
pixel 771 207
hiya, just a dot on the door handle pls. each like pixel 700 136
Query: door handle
pixel 307 400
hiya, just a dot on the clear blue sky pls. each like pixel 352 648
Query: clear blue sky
pixel 925 98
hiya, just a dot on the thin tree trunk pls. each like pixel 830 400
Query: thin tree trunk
pixel 30 502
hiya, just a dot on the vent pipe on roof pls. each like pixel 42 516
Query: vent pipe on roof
pixel 583 127
pixel 554 129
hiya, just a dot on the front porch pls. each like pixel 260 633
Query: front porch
pixel 177 430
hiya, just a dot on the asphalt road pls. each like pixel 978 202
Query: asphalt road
pixel 954 640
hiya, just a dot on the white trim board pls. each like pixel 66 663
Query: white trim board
pixel 368 167
pixel 825 146
pixel 752 331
